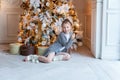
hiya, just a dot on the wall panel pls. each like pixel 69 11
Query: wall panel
pixel 10 12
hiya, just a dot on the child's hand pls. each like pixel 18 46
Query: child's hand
pixel 73 36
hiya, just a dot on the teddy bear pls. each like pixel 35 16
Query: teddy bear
pixel 78 40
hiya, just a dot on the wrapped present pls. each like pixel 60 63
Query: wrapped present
pixel 14 48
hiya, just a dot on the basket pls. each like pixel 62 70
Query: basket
pixel 26 50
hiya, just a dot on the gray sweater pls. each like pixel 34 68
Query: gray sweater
pixel 59 43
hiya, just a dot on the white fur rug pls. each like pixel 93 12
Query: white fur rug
pixel 77 68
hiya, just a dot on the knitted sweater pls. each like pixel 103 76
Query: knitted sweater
pixel 60 43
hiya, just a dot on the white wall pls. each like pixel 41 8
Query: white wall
pixel 9 19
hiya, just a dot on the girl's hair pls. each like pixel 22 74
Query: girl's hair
pixel 66 21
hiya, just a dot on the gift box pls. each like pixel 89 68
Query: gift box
pixel 14 48
pixel 41 50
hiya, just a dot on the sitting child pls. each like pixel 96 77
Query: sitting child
pixel 58 50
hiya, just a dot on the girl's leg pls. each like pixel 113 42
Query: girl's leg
pixel 47 59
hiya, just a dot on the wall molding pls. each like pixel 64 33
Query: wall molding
pixel 113 2
pixel 10 3
pixel 8 41
pixel 108 43
pixel 110 12
pixel 7 22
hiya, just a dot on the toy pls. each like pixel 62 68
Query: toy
pixel 32 58
pixel 78 40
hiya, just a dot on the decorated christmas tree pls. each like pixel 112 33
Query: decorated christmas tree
pixel 41 21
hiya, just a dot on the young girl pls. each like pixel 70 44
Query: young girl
pixel 58 50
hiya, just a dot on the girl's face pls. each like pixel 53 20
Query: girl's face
pixel 66 27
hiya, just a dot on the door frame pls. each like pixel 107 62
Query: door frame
pixel 96 28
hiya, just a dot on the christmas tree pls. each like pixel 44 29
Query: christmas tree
pixel 41 20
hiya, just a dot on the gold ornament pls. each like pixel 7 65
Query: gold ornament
pixel 71 12
pixel 76 25
pixel 70 4
pixel 39 29
pixel 51 5
pixel 59 3
pixel 57 31
pixel 53 39
pixel 74 18
pixel 28 17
